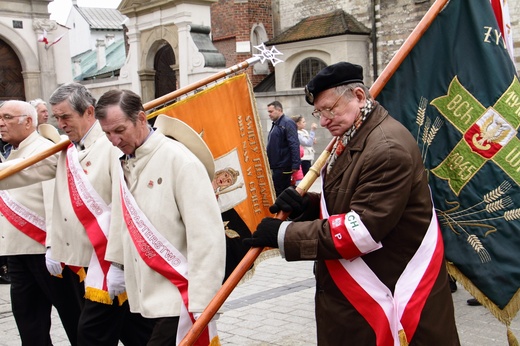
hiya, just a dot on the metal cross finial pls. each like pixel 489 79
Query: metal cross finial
pixel 266 54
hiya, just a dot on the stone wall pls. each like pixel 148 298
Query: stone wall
pixel 514 13
pixel 394 20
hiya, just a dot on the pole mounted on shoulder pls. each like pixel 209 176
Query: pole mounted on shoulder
pixel 309 178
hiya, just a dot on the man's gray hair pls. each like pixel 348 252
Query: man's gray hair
pixel 36 102
pixel 350 88
pixel 78 96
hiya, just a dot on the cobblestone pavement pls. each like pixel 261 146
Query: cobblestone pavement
pixel 275 307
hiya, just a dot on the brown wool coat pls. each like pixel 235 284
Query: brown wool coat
pixel 380 176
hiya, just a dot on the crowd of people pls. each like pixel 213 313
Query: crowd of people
pixel 290 147
pixel 84 229
pixel 81 230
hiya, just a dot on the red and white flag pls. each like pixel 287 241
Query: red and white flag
pixel 501 10
pixel 43 37
pixel 56 40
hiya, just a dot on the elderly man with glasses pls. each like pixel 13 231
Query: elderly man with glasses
pixel 24 225
pixel 373 232
pixel 81 221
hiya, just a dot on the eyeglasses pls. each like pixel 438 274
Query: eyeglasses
pixel 7 117
pixel 327 112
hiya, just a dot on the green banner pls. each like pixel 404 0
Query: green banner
pixel 458 94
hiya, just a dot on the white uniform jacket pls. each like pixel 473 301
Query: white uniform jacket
pixel 172 188
pixel 35 197
pixel 99 159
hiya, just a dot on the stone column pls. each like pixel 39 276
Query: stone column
pixel 147 79
pixel 48 81
pixel 130 70
pixel 184 62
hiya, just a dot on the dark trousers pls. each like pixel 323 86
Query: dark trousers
pixel 3 261
pixel 306 164
pixel 34 291
pixel 281 179
pixel 164 332
pixel 103 324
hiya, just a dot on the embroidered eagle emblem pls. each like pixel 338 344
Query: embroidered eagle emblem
pixel 493 130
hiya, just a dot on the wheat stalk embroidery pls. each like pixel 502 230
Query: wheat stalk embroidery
pixel 511 215
pixel 429 130
pixel 493 206
pixel 429 136
pixel 421 114
pixel 475 243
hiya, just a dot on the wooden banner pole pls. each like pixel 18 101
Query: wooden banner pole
pixel 182 91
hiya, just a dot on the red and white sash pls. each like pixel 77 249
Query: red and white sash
pixel 94 215
pixel 394 318
pixel 22 218
pixel 29 223
pixel 161 256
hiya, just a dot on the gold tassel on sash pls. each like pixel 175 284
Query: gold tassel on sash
pixel 402 338
pixel 123 297
pixel 97 295
pixel 82 274
pixel 100 296
pixel 215 341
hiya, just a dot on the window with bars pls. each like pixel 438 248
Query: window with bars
pixel 305 71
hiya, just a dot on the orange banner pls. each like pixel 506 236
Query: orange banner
pixel 226 118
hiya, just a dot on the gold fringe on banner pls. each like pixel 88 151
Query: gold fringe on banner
pixel 266 254
pixel 511 338
pixel 505 315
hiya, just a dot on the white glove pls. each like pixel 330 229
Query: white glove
pixel 54 267
pixel 115 281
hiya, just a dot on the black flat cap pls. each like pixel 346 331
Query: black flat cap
pixel 332 76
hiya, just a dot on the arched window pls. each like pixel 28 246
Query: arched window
pixel 258 36
pixel 305 70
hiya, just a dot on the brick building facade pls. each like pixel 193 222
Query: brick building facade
pixel 237 26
